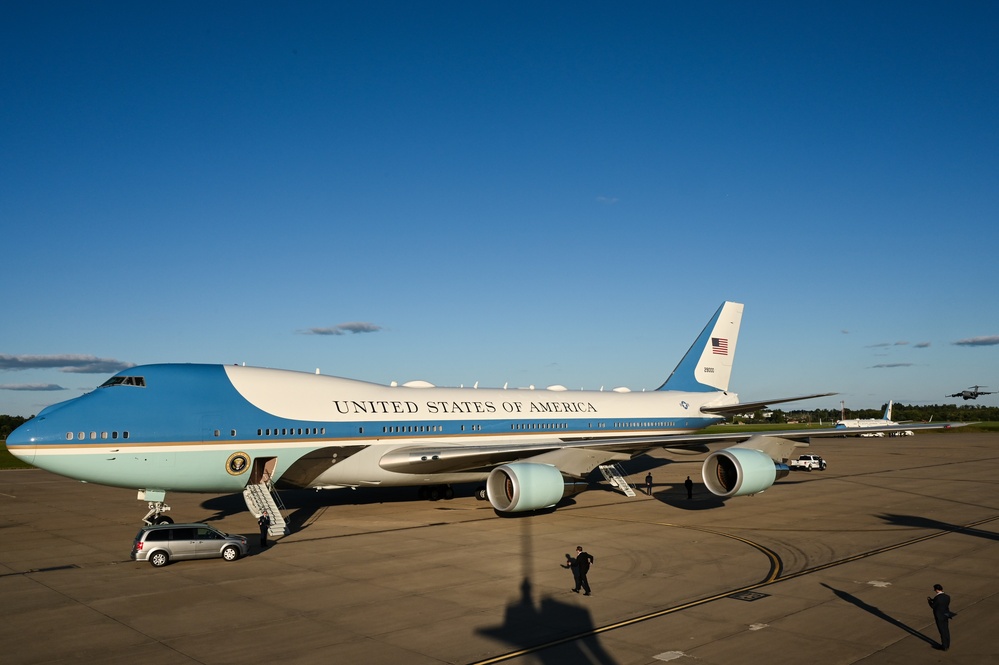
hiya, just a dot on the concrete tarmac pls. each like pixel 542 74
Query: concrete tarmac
pixel 825 567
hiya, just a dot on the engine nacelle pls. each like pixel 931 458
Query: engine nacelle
pixel 521 486
pixel 740 471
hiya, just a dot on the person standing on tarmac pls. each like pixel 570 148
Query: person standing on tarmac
pixel 583 562
pixel 940 604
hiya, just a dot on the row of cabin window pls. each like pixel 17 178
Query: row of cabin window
pixel 536 426
pixel 80 436
pixel 655 424
pixel 285 431
pixel 395 429
pixel 526 426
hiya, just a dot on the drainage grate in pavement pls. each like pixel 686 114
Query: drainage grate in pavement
pixel 749 596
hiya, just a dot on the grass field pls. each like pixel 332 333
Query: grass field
pixel 8 461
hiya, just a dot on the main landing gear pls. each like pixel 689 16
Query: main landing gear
pixel 436 492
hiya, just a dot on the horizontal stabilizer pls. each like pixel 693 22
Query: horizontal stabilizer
pixel 746 407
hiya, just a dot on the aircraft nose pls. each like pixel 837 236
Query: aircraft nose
pixel 21 445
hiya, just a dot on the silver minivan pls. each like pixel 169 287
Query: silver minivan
pixel 160 543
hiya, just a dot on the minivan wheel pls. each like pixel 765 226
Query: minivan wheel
pixel 230 553
pixel 159 559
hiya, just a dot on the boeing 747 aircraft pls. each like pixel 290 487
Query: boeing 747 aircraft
pixel 870 425
pixel 224 428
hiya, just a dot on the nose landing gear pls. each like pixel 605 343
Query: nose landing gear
pixel 157 507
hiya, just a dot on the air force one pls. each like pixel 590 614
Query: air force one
pixel 870 425
pixel 226 428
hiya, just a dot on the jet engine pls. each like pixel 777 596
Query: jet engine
pixel 521 486
pixel 740 471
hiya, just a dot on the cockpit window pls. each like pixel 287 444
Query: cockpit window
pixel 139 381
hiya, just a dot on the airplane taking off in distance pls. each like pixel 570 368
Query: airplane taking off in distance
pixel 227 428
pixel 972 393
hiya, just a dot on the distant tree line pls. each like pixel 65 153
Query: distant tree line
pixel 899 412
pixel 10 423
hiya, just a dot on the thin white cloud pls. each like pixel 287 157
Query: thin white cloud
pixel 922 345
pixel 890 365
pixel 352 327
pixel 71 363
pixel 988 340
pixel 607 200
pixel 42 387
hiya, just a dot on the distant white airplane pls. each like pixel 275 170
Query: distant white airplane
pixel 869 425
pixel 226 428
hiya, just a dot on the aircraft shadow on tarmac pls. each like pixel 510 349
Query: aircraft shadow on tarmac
pixel 853 600
pixel 303 506
pixel 528 624
pixel 675 496
pixel 915 521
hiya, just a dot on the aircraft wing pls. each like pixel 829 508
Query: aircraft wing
pixel 578 457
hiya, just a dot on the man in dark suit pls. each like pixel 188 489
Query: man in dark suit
pixel 583 561
pixel 264 522
pixel 940 603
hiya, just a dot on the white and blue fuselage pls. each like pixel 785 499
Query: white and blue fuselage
pixel 174 427
pixel 223 428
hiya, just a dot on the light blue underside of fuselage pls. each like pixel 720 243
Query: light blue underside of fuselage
pixel 196 405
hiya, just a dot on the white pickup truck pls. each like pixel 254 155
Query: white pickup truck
pixel 808 462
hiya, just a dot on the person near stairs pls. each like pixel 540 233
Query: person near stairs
pixel 264 522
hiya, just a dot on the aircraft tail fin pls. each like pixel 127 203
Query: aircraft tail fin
pixel 707 366
pixel 888 411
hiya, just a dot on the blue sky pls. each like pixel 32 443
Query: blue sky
pixel 532 193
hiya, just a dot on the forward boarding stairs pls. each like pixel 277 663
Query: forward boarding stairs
pixel 261 497
pixel 615 476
